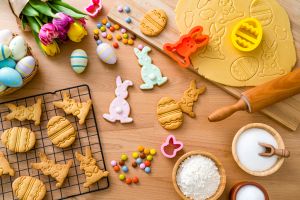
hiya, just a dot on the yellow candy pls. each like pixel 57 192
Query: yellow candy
pixel 125 41
pixel 140 148
pixel 130 42
pixel 109 36
pixel 104 21
pixel 247 34
pixel 135 155
pixel 125 36
pixel 96 31
pixel 116 26
pixel 118 37
pixel 103 28
pixel 152 152
pixel 149 157
pixel 124 157
pixel 146 151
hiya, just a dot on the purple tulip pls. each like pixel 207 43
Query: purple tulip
pixel 48 33
pixel 62 21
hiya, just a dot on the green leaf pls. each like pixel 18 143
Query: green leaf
pixel 24 22
pixel 30 11
pixel 53 8
pixel 44 18
pixel 42 7
pixel 68 6
pixel 68 11
pixel 33 24
pixel 37 39
pixel 38 21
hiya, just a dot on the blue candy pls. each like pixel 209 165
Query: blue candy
pixel 8 63
pixel 147 170
pixel 138 161
pixel 125 169
pixel 128 20
pixel 108 25
pixel 99 25
pixel 99 42
pixel 127 9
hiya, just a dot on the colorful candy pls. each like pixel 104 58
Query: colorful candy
pixel 127 9
pixel 123 30
pixel 140 148
pixel 96 31
pixel 118 37
pixel 103 29
pixel 130 42
pixel 142 155
pixel 147 163
pixel 128 20
pixel 125 41
pixel 152 152
pixel 99 42
pixel 135 179
pixel 99 25
pixel 108 25
pixel 125 169
pixel 113 163
pixel 104 35
pixel 116 168
pixel 121 162
pixel 139 161
pixel 109 36
pixel 135 155
pixel 140 47
pixel 147 170
pixel 149 157
pixel 134 164
pixel 133 37
pixel 112 29
pixel 122 177
pixel 104 21
pixel 124 157
pixel 120 9
pixel 115 45
pixel 117 26
pixel 142 166
pixel 146 151
pixel 128 181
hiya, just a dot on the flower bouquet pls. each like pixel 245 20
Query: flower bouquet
pixel 52 22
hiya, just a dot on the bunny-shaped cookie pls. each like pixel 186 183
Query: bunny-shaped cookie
pixel 151 74
pixel 119 108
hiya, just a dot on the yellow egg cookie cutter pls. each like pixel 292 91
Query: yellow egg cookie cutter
pixel 247 34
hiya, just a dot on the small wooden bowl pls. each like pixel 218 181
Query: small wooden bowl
pixel 235 189
pixel 25 80
pixel 278 139
pixel 208 155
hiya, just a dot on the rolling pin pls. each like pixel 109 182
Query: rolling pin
pixel 262 96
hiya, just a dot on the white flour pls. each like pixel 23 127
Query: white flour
pixel 198 177
pixel 250 192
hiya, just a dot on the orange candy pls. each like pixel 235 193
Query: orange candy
pixel 116 168
pixel 147 163
pixel 104 21
pixel 109 36
pixel 125 41
pixel 128 181
pixel 117 26
pixel 146 151
pixel 112 29
pixel 140 148
pixel 115 45
pixel 135 179
pixel 118 37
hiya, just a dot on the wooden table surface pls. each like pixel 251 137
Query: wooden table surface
pixel 196 134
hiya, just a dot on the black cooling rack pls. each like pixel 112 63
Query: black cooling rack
pixel 87 135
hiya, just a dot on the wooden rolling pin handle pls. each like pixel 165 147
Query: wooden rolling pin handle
pixel 282 153
pixel 227 111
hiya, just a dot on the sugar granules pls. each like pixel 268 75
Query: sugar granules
pixel 198 177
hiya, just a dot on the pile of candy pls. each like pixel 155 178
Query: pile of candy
pixel 127 10
pixel 143 159
pixel 104 26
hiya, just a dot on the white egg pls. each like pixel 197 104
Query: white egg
pixel 25 66
pixel 106 53
pixel 5 36
pixel 18 48
pixel 79 60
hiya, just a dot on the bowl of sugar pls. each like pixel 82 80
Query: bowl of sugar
pixel 248 190
pixel 199 175
pixel 246 149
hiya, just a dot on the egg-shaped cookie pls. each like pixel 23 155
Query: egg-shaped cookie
pixel 18 139
pixel 169 113
pixel 61 132
pixel 28 188
pixel 153 22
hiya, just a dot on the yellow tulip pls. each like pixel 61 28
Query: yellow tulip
pixel 76 32
pixel 51 49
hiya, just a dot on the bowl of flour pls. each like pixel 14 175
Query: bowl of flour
pixel 199 175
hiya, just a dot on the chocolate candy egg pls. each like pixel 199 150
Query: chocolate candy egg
pixel 5 36
pixel 8 63
pixel 4 52
pixel 79 60
pixel 10 77
pixel 25 66
pixel 106 53
pixel 18 48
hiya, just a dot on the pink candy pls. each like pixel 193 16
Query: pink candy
pixel 142 165
pixel 123 30
pixel 104 34
pixel 120 8
pixel 140 47
pixel 113 163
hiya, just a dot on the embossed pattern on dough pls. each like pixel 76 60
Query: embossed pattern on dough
pixel 219 61
pixel 29 188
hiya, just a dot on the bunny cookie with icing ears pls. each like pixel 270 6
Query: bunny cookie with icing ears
pixel 151 74
pixel 119 108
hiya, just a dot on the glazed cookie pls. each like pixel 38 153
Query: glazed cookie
pixel 70 106
pixel 18 139
pixel 5 167
pixel 61 132
pixel 169 113
pixel 153 22
pixel 119 108
pixel 89 165
pixel 28 188
pixel 23 113
pixel 151 74
pixel 57 171
pixel 190 96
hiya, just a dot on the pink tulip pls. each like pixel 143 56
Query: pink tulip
pixel 48 33
pixel 62 21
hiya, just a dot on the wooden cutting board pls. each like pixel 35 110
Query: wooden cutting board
pixel 286 112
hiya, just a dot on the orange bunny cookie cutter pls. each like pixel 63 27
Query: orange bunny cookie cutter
pixel 187 44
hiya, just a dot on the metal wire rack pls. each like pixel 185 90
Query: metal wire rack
pixel 87 135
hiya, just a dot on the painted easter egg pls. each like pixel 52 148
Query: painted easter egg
pixel 10 77
pixel 5 36
pixel 8 63
pixel 79 60
pixel 2 87
pixel 4 52
pixel 18 48
pixel 106 53
pixel 25 66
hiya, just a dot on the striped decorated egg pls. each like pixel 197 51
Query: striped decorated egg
pixel 18 48
pixel 106 53
pixel 28 188
pixel 18 139
pixel 10 77
pixel 4 52
pixel 79 60
pixel 8 63
pixel 25 66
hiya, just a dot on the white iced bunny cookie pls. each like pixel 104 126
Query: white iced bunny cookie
pixel 151 74
pixel 119 108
